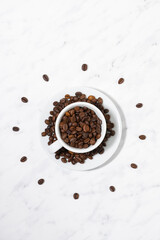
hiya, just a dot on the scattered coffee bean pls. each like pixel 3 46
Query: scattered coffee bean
pixel 15 129
pixel 45 77
pixel 112 189
pixel 75 195
pixel 84 67
pixel 142 137
pixel 139 105
pixel 121 80
pixel 133 165
pixel 24 99
pixel 41 181
pixel 23 159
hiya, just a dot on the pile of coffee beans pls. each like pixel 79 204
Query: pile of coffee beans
pixel 80 127
pixel 64 154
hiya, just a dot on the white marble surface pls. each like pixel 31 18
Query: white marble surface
pixel 116 39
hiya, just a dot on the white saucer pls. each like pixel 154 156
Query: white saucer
pixel 112 143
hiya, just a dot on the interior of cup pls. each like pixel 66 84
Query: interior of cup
pixel 99 115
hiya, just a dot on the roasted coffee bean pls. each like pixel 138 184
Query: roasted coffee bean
pixel 55 103
pixel 71 112
pixel 107 116
pixel 57 156
pixel 101 151
pixel 92 141
pixel 78 94
pixel 73 140
pixel 74 124
pixel 87 140
pixel 41 181
pixel 56 109
pixel 112 132
pixel 78 158
pixel 73 119
pixel 64 135
pixel 100 100
pixel 71 128
pixel 98 129
pixel 139 105
pixel 65 127
pixel 77 109
pixel 109 125
pixel 133 165
pixel 50 142
pixel 112 189
pixel 83 116
pixel 45 77
pixel 66 140
pixel 68 154
pixel 24 99
pixel 79 129
pixel 91 97
pixel 85 145
pixel 106 110
pixel 85 135
pixel 142 137
pixel 63 100
pixel 23 159
pixel 86 128
pixel 67 114
pixel 121 80
pixel 82 162
pixel 75 99
pixel 86 122
pixel 75 195
pixel 15 129
pixel 83 97
pixel 67 96
pixel 90 135
pixel 98 136
pixel 43 134
pixel 63 160
pixel 80 144
pixel 47 122
pixel 84 67
pixel 53 119
pixel 50 138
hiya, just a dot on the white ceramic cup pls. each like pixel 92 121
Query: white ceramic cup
pixel 59 143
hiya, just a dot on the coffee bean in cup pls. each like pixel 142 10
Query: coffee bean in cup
pixel 80 127
pixel 63 154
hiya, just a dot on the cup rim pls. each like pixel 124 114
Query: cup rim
pixel 97 112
